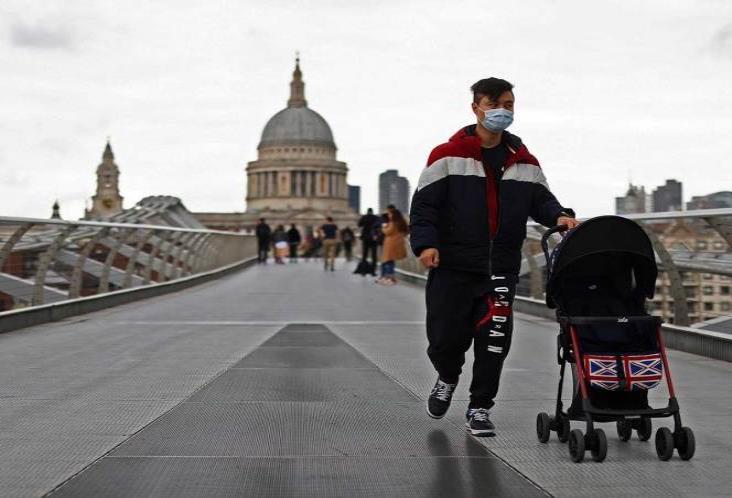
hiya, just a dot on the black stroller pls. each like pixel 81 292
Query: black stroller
pixel 599 277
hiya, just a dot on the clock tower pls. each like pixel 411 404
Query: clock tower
pixel 107 201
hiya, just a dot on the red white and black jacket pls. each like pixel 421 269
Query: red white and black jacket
pixel 476 221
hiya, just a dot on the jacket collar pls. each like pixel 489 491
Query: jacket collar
pixel 468 139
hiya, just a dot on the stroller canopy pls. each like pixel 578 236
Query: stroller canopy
pixel 610 249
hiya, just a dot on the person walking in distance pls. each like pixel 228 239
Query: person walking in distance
pixel 293 240
pixel 329 235
pixel 347 238
pixel 279 239
pixel 369 245
pixel 468 224
pixel 395 230
pixel 264 234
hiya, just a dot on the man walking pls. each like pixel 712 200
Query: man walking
pixel 347 237
pixel 264 234
pixel 329 234
pixel 368 223
pixel 293 240
pixel 468 223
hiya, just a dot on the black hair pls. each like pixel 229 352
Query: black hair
pixel 391 206
pixel 492 88
pixel 329 218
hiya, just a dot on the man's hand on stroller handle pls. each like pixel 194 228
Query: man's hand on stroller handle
pixel 567 221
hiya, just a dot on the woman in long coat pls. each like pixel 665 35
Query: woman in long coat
pixel 395 231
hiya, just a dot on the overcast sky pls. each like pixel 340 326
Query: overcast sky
pixel 605 91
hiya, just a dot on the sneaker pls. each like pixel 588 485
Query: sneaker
pixel 440 397
pixel 479 422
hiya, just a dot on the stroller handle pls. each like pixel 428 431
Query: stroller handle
pixel 545 238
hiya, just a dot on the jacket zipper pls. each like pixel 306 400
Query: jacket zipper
pixel 498 206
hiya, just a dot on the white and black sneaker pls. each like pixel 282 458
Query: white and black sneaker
pixel 479 422
pixel 440 397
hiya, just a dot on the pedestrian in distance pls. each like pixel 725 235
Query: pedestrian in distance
pixel 264 234
pixel 329 235
pixel 468 224
pixel 369 246
pixel 395 231
pixel 279 240
pixel 347 238
pixel 293 240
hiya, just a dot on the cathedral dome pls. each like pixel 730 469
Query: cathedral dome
pixel 297 124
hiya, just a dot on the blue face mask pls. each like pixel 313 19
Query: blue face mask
pixel 497 120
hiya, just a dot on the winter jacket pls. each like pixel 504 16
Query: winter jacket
pixel 293 236
pixel 264 232
pixel 395 247
pixel 367 223
pixel 279 236
pixel 476 221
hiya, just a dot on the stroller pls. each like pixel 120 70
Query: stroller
pixel 599 277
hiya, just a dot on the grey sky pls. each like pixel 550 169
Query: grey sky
pixel 605 91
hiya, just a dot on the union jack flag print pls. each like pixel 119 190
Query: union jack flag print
pixel 640 372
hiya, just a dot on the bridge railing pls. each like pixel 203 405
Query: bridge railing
pixel 674 263
pixel 48 261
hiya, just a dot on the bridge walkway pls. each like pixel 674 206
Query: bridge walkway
pixel 290 381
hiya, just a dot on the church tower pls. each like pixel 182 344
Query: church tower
pixel 107 201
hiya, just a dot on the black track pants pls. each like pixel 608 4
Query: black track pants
pixel 462 307
pixel 262 250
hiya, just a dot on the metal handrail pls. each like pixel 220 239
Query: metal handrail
pixel 49 260
pixel 11 220
pixel 670 261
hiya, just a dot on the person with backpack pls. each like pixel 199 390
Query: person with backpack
pixel 468 225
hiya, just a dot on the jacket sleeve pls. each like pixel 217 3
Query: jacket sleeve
pixel 425 209
pixel 545 208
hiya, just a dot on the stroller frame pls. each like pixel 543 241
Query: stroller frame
pixel 627 420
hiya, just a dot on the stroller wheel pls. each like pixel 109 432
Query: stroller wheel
pixel 563 430
pixel 624 430
pixel 542 427
pixel 664 443
pixel 645 429
pixel 685 443
pixel 576 445
pixel 599 445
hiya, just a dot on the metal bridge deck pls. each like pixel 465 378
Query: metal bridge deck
pixel 288 381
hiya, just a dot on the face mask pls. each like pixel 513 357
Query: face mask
pixel 497 120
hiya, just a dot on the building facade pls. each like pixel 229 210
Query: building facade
pixel 354 198
pixel 297 177
pixel 668 197
pixel 711 201
pixel 393 189
pixel 708 295
pixel 634 201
